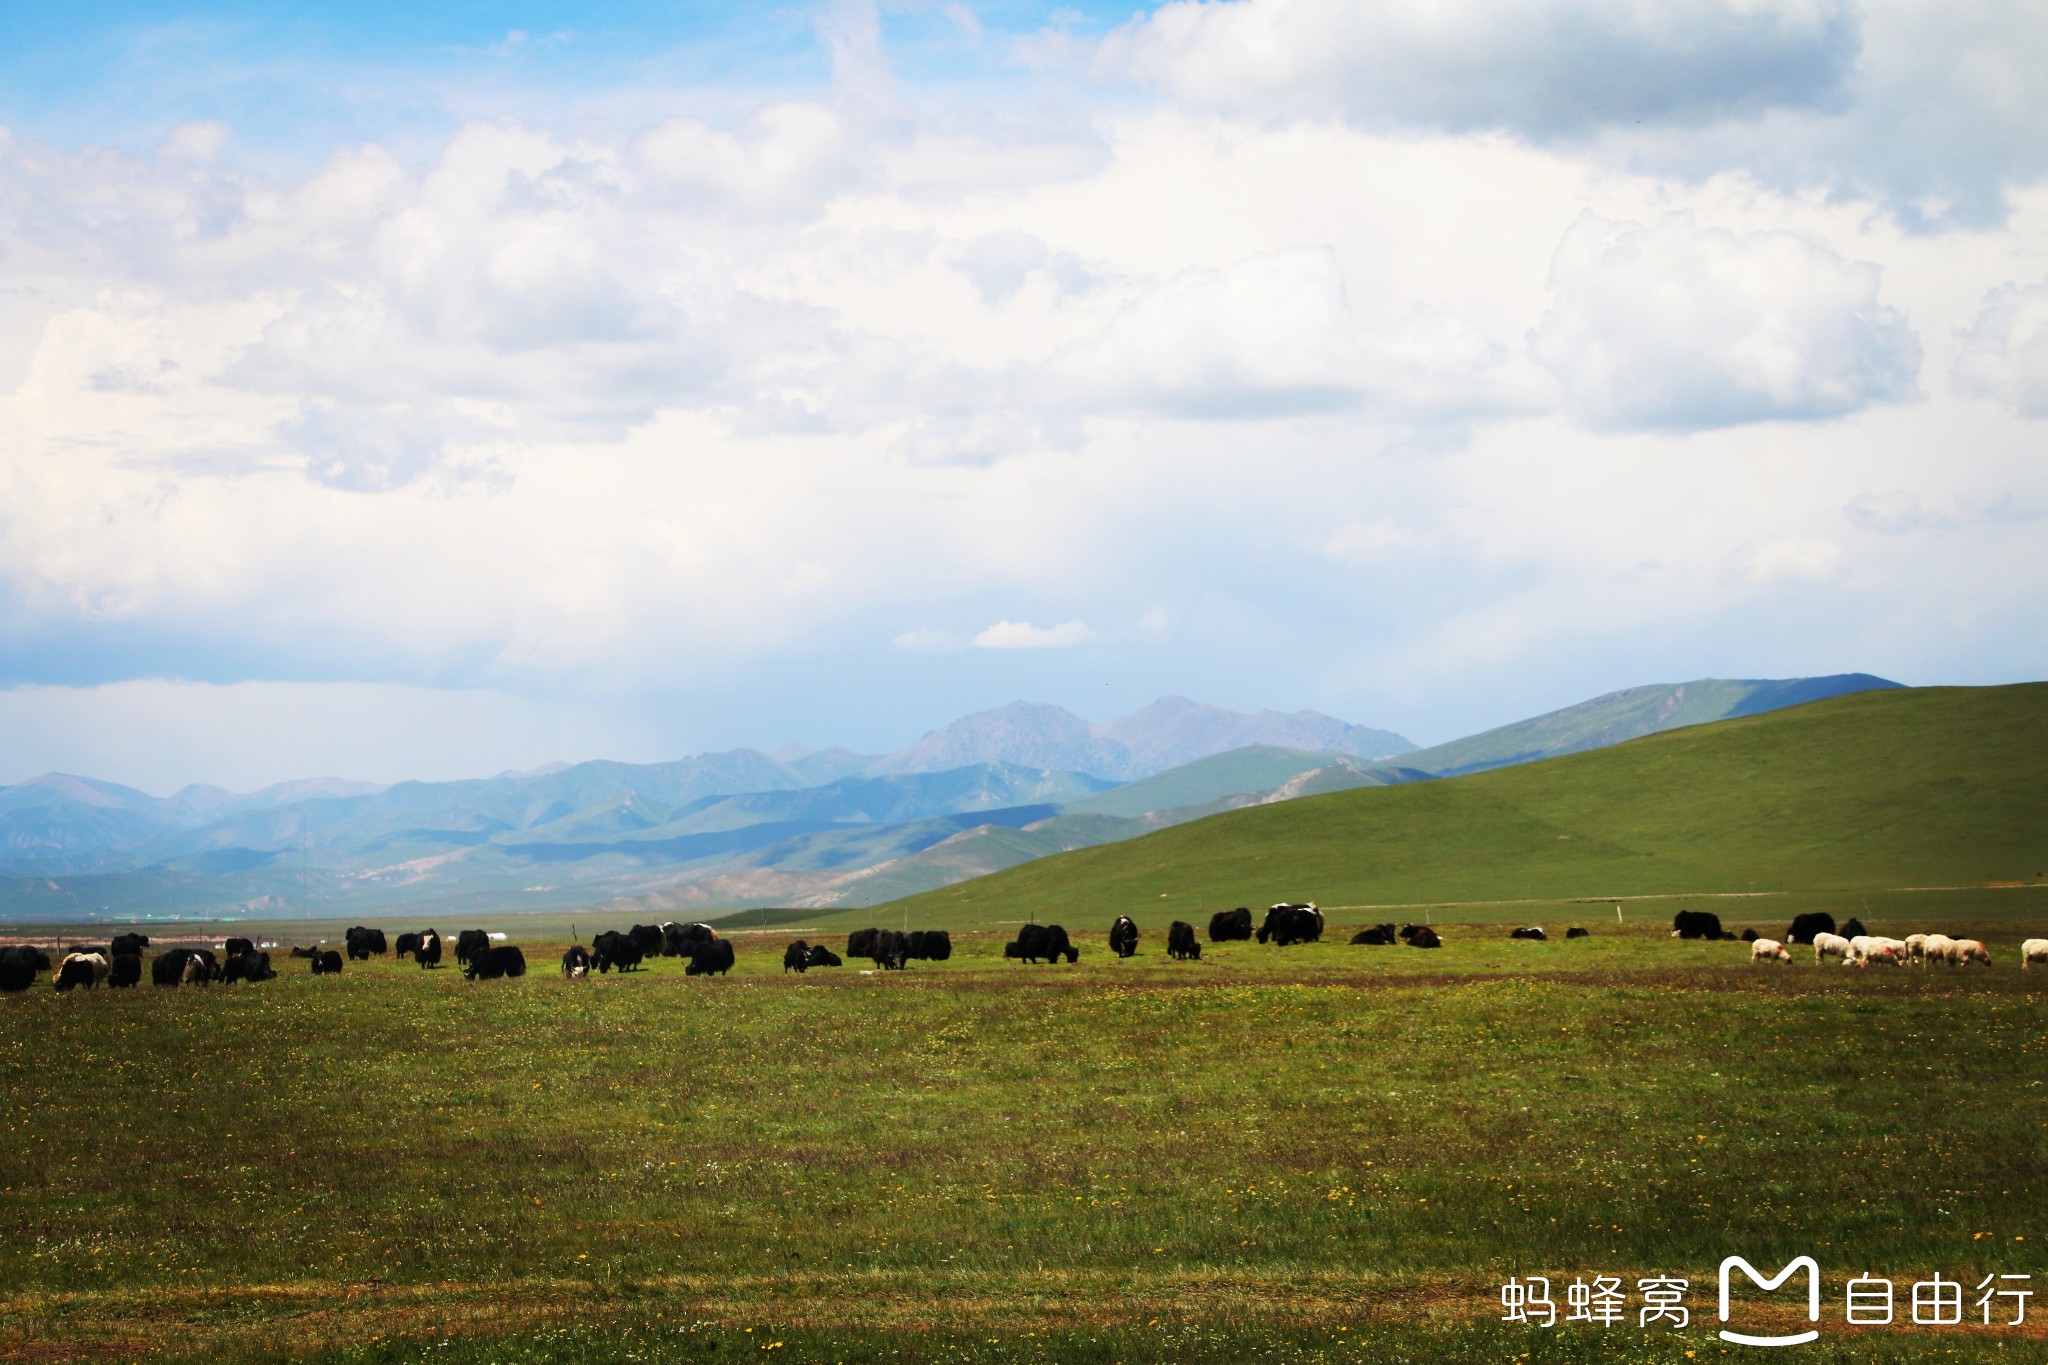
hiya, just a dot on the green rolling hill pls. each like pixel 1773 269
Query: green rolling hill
pixel 1874 790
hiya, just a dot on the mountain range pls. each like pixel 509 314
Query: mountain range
pixel 744 828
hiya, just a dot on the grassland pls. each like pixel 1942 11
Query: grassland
pixel 1327 1152
pixel 1928 787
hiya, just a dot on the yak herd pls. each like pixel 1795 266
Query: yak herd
pixel 121 962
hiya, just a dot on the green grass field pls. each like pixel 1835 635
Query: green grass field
pixel 1319 1153
pixel 1927 787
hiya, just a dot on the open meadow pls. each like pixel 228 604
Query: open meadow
pixel 1320 1152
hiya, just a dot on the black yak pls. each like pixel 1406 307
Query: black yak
pixel 326 962
pixel 1123 936
pixel 1696 924
pixel 1292 922
pixel 468 944
pixel 364 942
pixel 126 969
pixel 1534 933
pixel 1577 933
pixel 1230 926
pixel 1181 944
pixel 1036 941
pixel 713 958
pixel 680 940
pixel 821 956
pixel 1805 926
pixel 1421 936
pixel 576 963
pixel 1379 935
pixel 796 957
pixel 492 964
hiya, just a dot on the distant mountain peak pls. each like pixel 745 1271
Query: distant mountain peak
pixel 1164 734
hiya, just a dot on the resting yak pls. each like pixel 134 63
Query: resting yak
pixel 1534 933
pixel 1420 936
pixel 1041 941
pixel 1230 926
pixel 1378 936
pixel 1123 936
pixel 1582 933
pixel 251 966
pixel 326 962
pixel 1181 944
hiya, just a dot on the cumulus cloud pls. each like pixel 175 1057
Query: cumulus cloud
pixel 1544 69
pixel 2005 355
pixel 1024 635
pixel 1276 334
pixel 1680 326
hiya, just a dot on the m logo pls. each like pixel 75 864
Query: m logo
pixel 1805 1263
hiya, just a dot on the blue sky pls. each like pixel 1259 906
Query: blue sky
pixel 431 390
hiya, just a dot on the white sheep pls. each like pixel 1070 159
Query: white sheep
pixel 1968 950
pixel 1768 950
pixel 1915 946
pixel 2032 951
pixel 1937 948
pixel 1868 947
pixel 1826 946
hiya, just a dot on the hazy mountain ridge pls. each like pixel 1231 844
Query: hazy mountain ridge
pixel 764 828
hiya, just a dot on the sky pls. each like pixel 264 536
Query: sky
pixel 428 391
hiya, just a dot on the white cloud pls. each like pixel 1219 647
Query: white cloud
pixel 1546 68
pixel 1793 559
pixel 1024 635
pixel 926 640
pixel 1376 542
pixel 2005 356
pixel 1681 326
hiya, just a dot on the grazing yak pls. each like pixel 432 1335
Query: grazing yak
pixel 1378 936
pixel 1853 929
pixel 364 943
pixel 2032 951
pixel 653 942
pixel 576 963
pixel 125 970
pixel 711 959
pixel 1698 924
pixel 888 949
pixel 1807 926
pixel 1292 922
pixel 1576 932
pixel 16 974
pixel 1048 942
pixel 1421 936
pixel 81 969
pixel 1768 950
pixel 680 940
pixel 250 966
pixel 821 956
pixel 326 962
pixel 468 944
pixel 1230 926
pixel 493 964
pixel 303 952
pixel 1534 933
pixel 1123 936
pixel 408 944
pixel 1181 944
pixel 237 947
pixel 127 943
pixel 612 949
pixel 797 957
pixel 168 969
pixel 930 945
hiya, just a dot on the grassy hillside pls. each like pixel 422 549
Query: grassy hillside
pixel 1257 769
pixel 1885 789
pixel 1630 714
